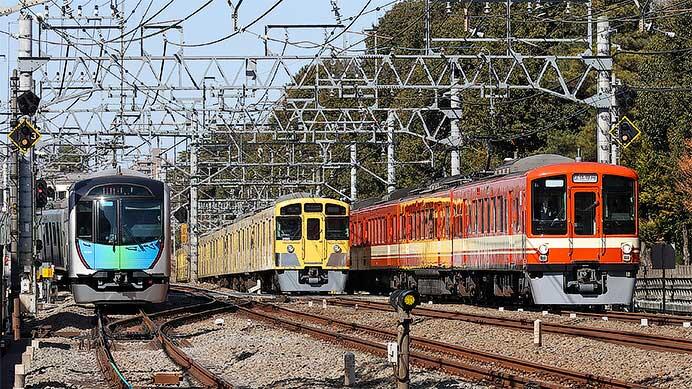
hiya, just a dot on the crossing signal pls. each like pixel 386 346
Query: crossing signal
pixel 41 193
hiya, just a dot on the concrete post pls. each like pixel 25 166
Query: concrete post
pixel 537 334
pixel 391 158
pixel 403 379
pixel 603 140
pixel 19 376
pixel 349 369
pixel 455 132
pixel 354 172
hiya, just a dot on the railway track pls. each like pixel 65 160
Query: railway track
pixel 107 363
pixel 634 317
pixel 528 373
pixel 155 326
pixel 628 338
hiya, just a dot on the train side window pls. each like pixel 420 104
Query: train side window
pixel 516 214
pixel 488 220
pixel 503 214
pixel 85 221
pixel 482 215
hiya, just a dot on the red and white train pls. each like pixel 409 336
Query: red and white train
pixel 544 227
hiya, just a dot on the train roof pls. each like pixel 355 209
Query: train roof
pixel 514 167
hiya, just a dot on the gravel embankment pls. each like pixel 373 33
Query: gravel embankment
pixel 253 354
pixel 667 370
pixel 59 362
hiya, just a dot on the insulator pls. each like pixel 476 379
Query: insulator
pixel 529 9
pixel 96 11
pixel 568 8
pixel 46 14
pixel 79 11
pixel 448 8
pixel 486 9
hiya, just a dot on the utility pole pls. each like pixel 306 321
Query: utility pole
pixel 354 172
pixel 391 168
pixel 25 248
pixel 603 141
pixel 455 132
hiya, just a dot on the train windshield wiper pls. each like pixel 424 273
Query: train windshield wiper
pixel 133 237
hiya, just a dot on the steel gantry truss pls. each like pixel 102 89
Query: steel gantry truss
pixel 232 133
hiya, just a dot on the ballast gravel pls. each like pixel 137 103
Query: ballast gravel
pixel 253 354
pixel 659 369
pixel 62 362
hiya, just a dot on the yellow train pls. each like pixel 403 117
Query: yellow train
pixel 299 244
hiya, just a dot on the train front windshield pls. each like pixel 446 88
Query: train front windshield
pixel 337 227
pixel 120 233
pixel 618 205
pixel 141 221
pixel 549 210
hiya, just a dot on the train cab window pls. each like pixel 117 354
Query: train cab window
pixel 313 229
pixel 141 221
pixel 107 222
pixel 618 205
pixel 334 209
pixel 549 206
pixel 292 209
pixel 84 221
pixel 312 207
pixel 289 227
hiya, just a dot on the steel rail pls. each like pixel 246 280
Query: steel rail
pixel 177 355
pixel 418 358
pixel 463 352
pixel 130 321
pixel 627 338
pixel 634 317
pixel 105 359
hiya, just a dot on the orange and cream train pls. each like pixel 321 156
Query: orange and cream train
pixel 544 228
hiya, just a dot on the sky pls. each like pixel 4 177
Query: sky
pixel 213 21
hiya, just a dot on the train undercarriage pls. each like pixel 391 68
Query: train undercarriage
pixel 584 284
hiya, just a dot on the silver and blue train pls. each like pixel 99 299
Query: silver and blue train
pixel 118 238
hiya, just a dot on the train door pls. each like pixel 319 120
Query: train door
pixel 315 244
pixel 586 211
pixel 106 253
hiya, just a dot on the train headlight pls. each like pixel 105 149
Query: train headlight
pixel 626 248
pixel 626 252
pixel 290 249
pixel 337 248
pixel 543 249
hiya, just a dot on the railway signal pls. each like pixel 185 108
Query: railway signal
pixel 24 135
pixel 625 132
pixel 27 103
pixel 41 193
pixel 403 301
